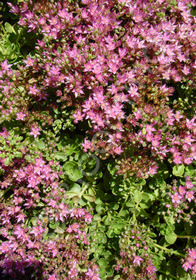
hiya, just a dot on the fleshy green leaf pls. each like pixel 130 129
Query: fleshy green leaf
pixel 171 238
pixel 137 196
pixel 72 171
pixel 100 237
pixel 9 28
pixel 60 156
pixel 89 197
pixel 178 170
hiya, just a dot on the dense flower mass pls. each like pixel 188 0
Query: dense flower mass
pixel 29 243
pixel 122 73
pixel 190 261
pixel 119 61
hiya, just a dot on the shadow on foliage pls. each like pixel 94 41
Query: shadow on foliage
pixel 21 270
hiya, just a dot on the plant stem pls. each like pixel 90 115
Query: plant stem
pixel 186 236
pixel 123 206
pixel 166 249
pixel 170 275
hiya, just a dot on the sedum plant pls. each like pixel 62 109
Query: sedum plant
pixel 113 81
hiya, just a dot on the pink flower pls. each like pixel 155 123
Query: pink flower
pixel 167 74
pixel 186 70
pixel 178 116
pixel 150 128
pixel 19 232
pixel 177 158
pixel 62 13
pixel 90 273
pixel 4 247
pixel 21 218
pixel 52 277
pixel 54 71
pixel 34 131
pixel 37 231
pixel 192 253
pixel 133 91
pixel 181 190
pixel 151 269
pixel 5 66
pixel 187 266
pixel 88 218
pixel 190 196
pixel 14 9
pixel 118 150
pixel 20 116
pixel 176 198
pixel 39 162
pixel 33 90
pixel 155 141
pixel 73 273
pixel 153 169
pixel 52 203
pixel 113 67
pixel 88 66
pixel 137 260
pixel 29 61
pixel 86 145
pixel 189 185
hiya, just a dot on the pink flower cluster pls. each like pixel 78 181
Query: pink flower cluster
pixel 40 234
pixel 133 263
pixel 116 66
pixel 190 261
pixel 184 193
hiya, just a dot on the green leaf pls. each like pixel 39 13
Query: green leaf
pixel 147 196
pixel 118 228
pixel 76 188
pixel 89 197
pixel 130 203
pixel 170 229
pixel 82 202
pixel 6 161
pixel 72 171
pixel 178 170
pixel 40 144
pixel 107 220
pixel 171 238
pixel 40 204
pixel 100 209
pixel 123 213
pixel 144 205
pixel 70 149
pixel 72 194
pixel 190 170
pixel 91 191
pixel 34 221
pixel 59 230
pixel 9 28
pixel 111 169
pixel 98 201
pixel 137 196
pixel 18 154
pixel 143 131
pixel 100 237
pixel 60 156
pixel 115 207
pixel 53 224
pixel 96 218
pixel 117 277
pixel 110 233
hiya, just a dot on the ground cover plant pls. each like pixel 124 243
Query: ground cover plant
pixel 98 139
